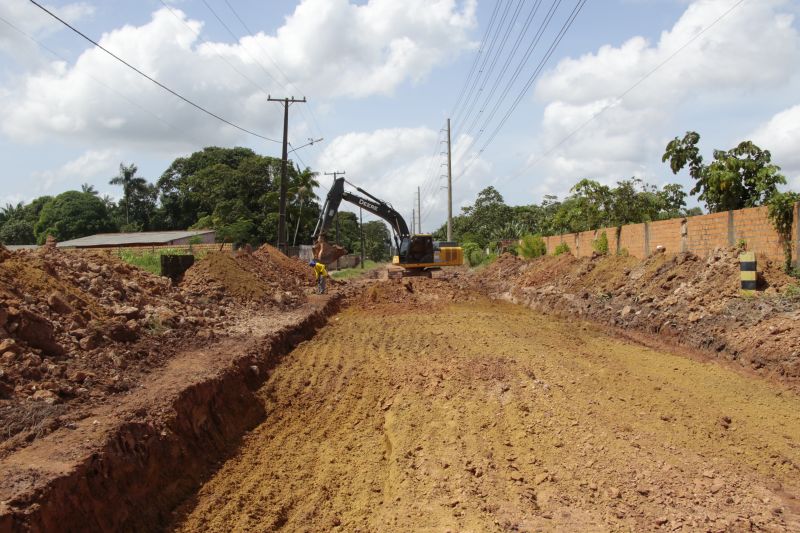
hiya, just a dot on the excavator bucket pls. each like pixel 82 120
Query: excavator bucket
pixel 327 253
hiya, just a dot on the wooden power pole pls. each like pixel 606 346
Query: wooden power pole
pixel 419 212
pixel 449 186
pixel 283 245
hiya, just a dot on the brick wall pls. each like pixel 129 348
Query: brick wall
pixel 631 239
pixel 707 232
pixel 666 233
pixel 700 235
pixel 754 227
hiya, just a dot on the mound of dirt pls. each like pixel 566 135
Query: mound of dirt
pixel 266 277
pixel 682 297
pixel 406 294
pixel 77 326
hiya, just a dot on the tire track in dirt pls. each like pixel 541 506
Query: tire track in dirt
pixel 485 416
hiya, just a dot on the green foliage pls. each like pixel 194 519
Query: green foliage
pixel 623 252
pixel 376 241
pixel 532 246
pixel 473 253
pixel 781 213
pixel 236 192
pixel 71 215
pixel 741 177
pixel 147 259
pixel 138 205
pixel 600 244
pixel 562 248
pixel 17 231
pixel 349 273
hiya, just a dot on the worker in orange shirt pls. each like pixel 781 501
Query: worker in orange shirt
pixel 320 273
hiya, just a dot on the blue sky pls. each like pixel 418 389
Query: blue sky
pixel 381 78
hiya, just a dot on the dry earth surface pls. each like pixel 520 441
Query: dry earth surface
pixel 418 409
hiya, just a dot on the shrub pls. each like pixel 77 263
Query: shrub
pixel 781 213
pixel 562 248
pixel 473 253
pixel 600 244
pixel 531 246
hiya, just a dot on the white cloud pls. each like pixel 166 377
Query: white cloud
pixel 754 48
pixel 90 165
pixel 331 48
pixel 392 163
pixel 781 136
pixel 36 23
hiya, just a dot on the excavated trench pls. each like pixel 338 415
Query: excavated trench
pixel 129 466
pixel 423 406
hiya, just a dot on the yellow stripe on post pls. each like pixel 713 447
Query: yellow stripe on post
pixel 748 272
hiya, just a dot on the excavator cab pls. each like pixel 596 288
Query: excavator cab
pixel 416 249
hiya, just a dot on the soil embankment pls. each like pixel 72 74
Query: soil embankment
pixel 681 299
pixel 418 410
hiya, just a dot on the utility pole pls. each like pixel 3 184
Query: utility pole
pixel 413 221
pixel 449 186
pixel 335 174
pixel 282 238
pixel 419 211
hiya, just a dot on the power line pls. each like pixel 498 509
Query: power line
pixel 275 63
pixel 494 57
pixel 514 48
pixel 96 80
pixel 453 112
pixel 627 91
pixel 216 52
pixel 517 71
pixel 197 106
pixel 564 29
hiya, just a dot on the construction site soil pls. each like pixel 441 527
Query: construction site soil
pixel 79 328
pixel 423 405
pixel 680 299
pixel 419 410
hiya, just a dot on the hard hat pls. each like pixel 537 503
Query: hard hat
pixel 312 263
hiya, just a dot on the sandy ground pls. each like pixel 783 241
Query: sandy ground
pixel 486 416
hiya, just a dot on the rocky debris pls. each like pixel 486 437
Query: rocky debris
pixel 681 297
pixel 76 326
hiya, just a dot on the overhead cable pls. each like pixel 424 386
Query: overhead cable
pixel 153 80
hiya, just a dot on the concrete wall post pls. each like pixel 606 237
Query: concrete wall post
pixel 731 233
pixel 646 239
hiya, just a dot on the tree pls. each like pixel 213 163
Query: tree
pixel 85 187
pixel 130 182
pixel 221 187
pixel 741 177
pixel 301 193
pixel 71 215
pixel 17 231
pixel 376 241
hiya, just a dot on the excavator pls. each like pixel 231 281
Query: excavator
pixel 417 255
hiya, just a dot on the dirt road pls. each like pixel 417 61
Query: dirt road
pixel 483 416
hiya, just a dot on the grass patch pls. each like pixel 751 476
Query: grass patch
pixel 151 260
pixel 349 273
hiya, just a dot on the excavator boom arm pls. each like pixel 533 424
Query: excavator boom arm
pixel 372 204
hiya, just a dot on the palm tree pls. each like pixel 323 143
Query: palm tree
pixel 302 190
pixel 89 189
pixel 130 183
pixel 11 211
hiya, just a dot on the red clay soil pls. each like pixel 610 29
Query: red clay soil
pixel 131 462
pixel 681 298
pixel 80 328
pixel 266 277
